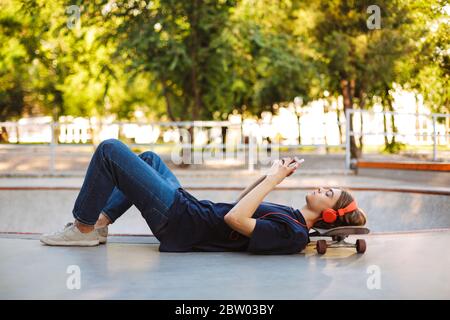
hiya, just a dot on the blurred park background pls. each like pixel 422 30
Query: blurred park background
pixel 334 79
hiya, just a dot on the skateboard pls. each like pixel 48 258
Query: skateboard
pixel 338 236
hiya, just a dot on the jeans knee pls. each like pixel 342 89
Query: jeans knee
pixel 109 144
pixel 149 155
pixel 110 141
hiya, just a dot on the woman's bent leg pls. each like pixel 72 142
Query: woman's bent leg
pixel 114 164
pixel 118 203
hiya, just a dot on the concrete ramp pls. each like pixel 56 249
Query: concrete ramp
pixel 131 267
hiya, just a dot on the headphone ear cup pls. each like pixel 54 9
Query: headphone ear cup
pixel 329 215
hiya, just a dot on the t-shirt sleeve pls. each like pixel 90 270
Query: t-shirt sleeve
pixel 276 237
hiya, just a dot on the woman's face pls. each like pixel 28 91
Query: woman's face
pixel 322 198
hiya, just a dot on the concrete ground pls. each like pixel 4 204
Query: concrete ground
pixel 407 255
pixel 404 266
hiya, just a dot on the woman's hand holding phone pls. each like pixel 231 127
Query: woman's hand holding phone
pixel 283 168
pixel 296 162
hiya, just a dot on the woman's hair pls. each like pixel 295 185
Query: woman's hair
pixel 354 218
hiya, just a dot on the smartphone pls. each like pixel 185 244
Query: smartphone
pixel 296 160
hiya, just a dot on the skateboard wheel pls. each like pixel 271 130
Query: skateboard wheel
pixel 321 246
pixel 361 246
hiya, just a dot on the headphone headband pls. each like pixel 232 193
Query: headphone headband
pixel 351 207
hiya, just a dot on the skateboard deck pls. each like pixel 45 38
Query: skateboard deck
pixel 338 236
pixel 339 231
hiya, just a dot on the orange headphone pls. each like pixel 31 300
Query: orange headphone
pixel 330 215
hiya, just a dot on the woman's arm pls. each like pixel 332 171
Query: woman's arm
pixel 254 184
pixel 250 187
pixel 239 218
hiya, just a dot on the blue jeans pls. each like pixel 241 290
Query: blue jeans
pixel 117 178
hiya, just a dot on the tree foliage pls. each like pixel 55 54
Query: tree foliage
pixel 202 59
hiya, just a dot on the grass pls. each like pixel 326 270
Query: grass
pixel 407 148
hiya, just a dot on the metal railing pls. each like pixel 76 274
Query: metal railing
pixel 246 141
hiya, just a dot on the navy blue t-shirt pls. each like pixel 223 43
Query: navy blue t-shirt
pixel 198 225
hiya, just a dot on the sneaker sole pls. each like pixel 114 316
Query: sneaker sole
pixel 83 243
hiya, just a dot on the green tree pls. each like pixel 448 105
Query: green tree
pixel 363 63
pixel 429 70
pixel 172 41
pixel 269 58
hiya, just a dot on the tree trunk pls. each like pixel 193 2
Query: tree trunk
pixel 394 130
pixel 419 138
pixel 338 116
pixel 386 141
pixel 325 112
pixel 166 98
pixel 346 90
pixel 394 127
pixel 224 139
pixel 299 138
pixel 361 137
pixel 362 105
pixel 391 145
pixel 447 130
pixel 447 121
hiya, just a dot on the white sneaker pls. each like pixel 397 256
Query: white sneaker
pixel 71 236
pixel 102 234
